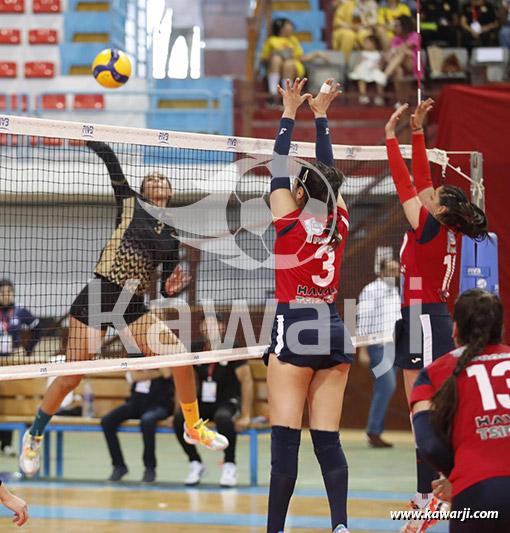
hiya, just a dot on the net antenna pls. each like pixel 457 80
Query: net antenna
pixel 419 50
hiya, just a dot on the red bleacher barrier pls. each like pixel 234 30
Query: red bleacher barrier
pixel 42 37
pixel 12 6
pixel 8 69
pixel 54 101
pixel 39 69
pixel 8 36
pixel 46 6
pixel 88 101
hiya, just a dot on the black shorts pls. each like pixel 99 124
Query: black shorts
pixel 432 335
pixel 489 495
pixel 303 346
pixel 110 292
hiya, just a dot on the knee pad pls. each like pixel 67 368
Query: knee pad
pixel 285 443
pixel 328 450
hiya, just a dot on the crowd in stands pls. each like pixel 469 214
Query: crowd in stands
pixel 383 35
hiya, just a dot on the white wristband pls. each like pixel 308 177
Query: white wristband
pixel 325 88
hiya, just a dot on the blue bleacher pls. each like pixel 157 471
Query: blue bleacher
pixel 73 4
pixel 78 54
pixel 86 22
pixel 305 21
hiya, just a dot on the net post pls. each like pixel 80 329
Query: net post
pixel 477 188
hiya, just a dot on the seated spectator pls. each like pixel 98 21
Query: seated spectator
pixel 225 395
pixel 369 70
pixel 379 309
pixel 479 24
pixel 439 23
pixel 14 320
pixel 284 56
pixel 352 23
pixel 387 17
pixel 504 32
pixel 151 400
pixel 403 56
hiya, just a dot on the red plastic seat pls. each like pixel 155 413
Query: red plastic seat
pixel 46 6
pixel 39 69
pixel 54 101
pixel 12 6
pixel 21 104
pixel 42 36
pixel 88 101
pixel 8 36
pixel 8 69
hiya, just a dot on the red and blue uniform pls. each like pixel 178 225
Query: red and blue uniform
pixel 481 428
pixel 307 274
pixel 428 257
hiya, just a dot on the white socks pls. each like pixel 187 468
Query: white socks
pixel 273 79
pixel 421 500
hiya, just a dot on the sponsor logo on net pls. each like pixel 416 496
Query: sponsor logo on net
pixel 87 131
pixel 4 124
pixel 164 138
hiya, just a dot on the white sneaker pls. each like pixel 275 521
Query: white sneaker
pixel 228 475
pixel 9 451
pixel 379 101
pixel 364 99
pixel 419 525
pixel 196 472
pixel 341 529
pixel 29 459
pixel 201 434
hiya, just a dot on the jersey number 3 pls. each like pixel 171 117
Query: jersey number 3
pixel 485 386
pixel 328 265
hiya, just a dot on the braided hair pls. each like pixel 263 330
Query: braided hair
pixel 461 214
pixel 318 183
pixel 478 315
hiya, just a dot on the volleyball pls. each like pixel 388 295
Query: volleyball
pixel 111 68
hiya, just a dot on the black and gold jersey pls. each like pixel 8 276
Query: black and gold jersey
pixel 140 242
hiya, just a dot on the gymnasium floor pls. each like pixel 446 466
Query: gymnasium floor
pixel 380 480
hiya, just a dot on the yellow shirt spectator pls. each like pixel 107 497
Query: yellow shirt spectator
pixel 283 44
pixel 387 14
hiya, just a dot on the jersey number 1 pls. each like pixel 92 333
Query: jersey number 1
pixel 485 386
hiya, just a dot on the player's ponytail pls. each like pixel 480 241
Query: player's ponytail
pixel 462 215
pixel 478 315
pixel 322 182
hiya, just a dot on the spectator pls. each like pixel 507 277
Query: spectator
pixel 403 57
pixel 15 504
pixel 439 23
pixel 504 32
pixel 479 24
pixel 284 56
pixel 387 17
pixel 379 309
pixel 185 16
pixel 368 70
pixel 352 23
pixel 225 395
pixel 151 400
pixel 14 319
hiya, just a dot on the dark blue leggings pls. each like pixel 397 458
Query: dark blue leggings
pixel 489 495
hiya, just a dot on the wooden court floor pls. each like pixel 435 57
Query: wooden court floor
pixel 63 507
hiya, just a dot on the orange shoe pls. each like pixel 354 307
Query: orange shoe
pixel 201 434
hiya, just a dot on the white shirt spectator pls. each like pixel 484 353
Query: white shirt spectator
pixel 378 309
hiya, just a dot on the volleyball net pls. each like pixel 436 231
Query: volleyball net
pixel 59 211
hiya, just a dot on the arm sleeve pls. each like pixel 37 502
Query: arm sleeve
pixel 280 173
pixel 399 171
pixel 430 444
pixel 323 149
pixel 34 325
pixel 420 163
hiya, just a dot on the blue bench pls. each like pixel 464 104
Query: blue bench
pixel 60 425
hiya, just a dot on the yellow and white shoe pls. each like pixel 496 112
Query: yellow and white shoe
pixel 30 457
pixel 201 434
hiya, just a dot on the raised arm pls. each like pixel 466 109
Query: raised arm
pixel 119 181
pixel 420 163
pixel 399 172
pixel 319 105
pixel 281 200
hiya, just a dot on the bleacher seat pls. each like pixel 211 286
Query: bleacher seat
pixel 89 5
pixel 318 71
pixel 12 6
pixel 53 101
pixel 87 27
pixel 43 36
pixel 88 101
pixel 489 64
pixel 12 99
pixel 39 69
pixel 78 56
pixel 462 57
pixel 8 36
pixel 46 6
pixel 8 69
pixel 308 24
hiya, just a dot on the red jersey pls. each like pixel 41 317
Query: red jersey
pixel 307 265
pixel 481 428
pixel 427 257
